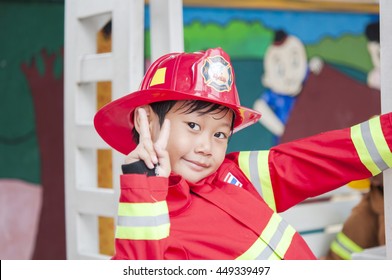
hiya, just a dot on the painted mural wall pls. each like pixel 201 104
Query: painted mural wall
pixel 333 56
pixel 31 131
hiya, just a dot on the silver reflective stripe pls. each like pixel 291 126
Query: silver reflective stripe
pixel 277 237
pixel 146 221
pixel 265 254
pixel 254 171
pixel 274 241
pixel 371 146
pixel 342 246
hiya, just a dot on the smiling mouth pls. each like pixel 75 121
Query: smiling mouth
pixel 197 165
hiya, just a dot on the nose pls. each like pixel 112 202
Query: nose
pixel 203 144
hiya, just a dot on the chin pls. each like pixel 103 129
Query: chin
pixel 193 179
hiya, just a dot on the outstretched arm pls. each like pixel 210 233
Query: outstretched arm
pixel 291 172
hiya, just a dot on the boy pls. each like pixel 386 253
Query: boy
pixel 183 198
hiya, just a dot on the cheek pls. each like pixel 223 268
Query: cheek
pixel 178 144
pixel 219 152
pixel 222 154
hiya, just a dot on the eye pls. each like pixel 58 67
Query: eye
pixel 220 135
pixel 194 126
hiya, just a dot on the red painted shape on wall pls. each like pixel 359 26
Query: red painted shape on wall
pixel 328 101
pixel 47 92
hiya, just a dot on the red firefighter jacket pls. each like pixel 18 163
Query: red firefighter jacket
pixel 232 214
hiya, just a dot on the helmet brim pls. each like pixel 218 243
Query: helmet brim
pixel 114 121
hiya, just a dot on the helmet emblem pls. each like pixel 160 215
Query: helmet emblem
pixel 217 73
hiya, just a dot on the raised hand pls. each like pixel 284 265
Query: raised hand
pixel 154 155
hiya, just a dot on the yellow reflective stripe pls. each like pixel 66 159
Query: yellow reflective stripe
pixel 255 166
pixel 254 251
pixel 142 209
pixel 343 246
pixel 379 140
pixel 143 233
pixel 134 220
pixel 285 242
pixel 274 256
pixel 250 162
pixel 273 242
pixel 277 224
pixel 243 161
pixel 265 178
pixel 340 251
pixel 348 243
pixel 363 153
pixel 271 228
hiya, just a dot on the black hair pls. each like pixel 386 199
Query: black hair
pixel 372 32
pixel 107 29
pixel 189 106
pixel 280 36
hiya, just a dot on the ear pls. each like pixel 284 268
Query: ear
pixel 136 116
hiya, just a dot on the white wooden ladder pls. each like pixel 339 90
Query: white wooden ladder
pixel 124 68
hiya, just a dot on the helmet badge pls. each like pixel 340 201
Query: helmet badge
pixel 217 73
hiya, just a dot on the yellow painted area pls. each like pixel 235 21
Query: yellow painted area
pixel 159 77
pixel 104 157
pixel 104 43
pixel 104 93
pixel 305 5
pixel 104 89
pixel 106 235
pixel 105 176
pixel 361 185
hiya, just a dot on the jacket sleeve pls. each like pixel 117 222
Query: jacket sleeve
pixel 143 218
pixel 291 172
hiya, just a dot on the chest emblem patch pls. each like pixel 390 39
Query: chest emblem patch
pixel 232 180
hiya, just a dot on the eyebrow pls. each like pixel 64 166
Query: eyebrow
pixel 226 124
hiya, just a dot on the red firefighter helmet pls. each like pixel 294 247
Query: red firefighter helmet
pixel 206 75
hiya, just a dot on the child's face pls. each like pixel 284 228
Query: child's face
pixel 197 143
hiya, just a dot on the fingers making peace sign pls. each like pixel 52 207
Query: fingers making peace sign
pixel 152 154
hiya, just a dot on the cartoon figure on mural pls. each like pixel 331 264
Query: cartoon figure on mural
pixel 286 69
pixel 298 92
pixel 372 33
